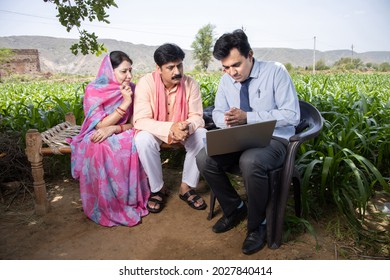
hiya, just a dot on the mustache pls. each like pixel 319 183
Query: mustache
pixel 177 77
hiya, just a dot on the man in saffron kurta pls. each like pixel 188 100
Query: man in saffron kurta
pixel 168 108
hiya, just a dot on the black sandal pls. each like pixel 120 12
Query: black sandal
pixel 192 201
pixel 157 202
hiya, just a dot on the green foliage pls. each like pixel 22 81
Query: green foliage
pixel 320 65
pixel 297 225
pixel 208 83
pixel 384 67
pixel 203 44
pixel 5 55
pixel 38 105
pixel 72 13
pixel 88 43
pixel 345 63
pixel 289 66
pixel 344 165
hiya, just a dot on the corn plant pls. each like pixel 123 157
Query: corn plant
pixel 38 105
pixel 344 165
pixel 208 87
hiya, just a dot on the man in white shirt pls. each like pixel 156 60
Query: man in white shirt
pixel 250 91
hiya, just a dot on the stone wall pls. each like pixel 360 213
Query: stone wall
pixel 23 61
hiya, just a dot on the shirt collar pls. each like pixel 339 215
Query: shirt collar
pixel 255 69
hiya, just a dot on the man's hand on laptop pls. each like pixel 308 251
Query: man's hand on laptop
pixel 235 117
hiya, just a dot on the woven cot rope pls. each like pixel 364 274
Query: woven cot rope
pixel 55 137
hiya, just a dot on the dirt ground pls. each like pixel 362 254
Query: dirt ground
pixel 177 233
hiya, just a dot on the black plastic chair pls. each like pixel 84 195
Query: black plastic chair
pixel 282 178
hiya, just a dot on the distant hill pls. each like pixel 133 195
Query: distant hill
pixel 56 57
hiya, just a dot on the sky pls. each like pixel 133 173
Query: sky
pixel 358 25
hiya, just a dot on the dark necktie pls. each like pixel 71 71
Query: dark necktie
pixel 244 96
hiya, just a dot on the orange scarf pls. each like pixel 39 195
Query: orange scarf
pixel 180 107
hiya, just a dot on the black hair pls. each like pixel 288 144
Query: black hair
pixel 117 57
pixel 228 41
pixel 168 53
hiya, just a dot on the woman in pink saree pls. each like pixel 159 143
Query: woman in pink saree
pixel 113 185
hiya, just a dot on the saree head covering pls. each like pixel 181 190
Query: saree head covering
pixel 113 186
pixel 104 93
pixel 181 105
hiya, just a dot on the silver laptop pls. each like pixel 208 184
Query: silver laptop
pixel 239 138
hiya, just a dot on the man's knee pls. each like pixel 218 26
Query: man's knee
pixel 145 140
pixel 251 162
pixel 199 137
pixel 201 159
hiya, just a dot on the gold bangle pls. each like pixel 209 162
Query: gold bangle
pixel 121 126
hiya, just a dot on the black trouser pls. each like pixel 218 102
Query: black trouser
pixel 254 165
